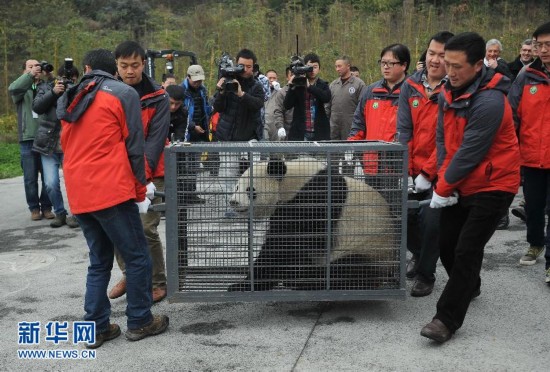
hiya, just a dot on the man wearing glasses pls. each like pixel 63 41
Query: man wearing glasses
pixel 530 99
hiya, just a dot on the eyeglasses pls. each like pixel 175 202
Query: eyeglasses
pixel 539 45
pixel 387 63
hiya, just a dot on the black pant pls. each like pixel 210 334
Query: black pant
pixel 465 229
pixel 423 235
pixel 536 189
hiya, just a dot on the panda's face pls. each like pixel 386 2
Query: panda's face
pixel 259 187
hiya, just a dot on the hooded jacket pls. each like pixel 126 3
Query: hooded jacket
pixel 102 139
pixel 477 147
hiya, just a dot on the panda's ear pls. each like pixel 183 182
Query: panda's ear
pixel 276 169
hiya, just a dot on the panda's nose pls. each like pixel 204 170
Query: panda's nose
pixel 233 203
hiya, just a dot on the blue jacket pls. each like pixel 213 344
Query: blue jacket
pixel 189 104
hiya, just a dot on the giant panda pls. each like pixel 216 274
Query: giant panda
pixel 295 195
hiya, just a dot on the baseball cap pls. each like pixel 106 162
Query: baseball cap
pixel 195 72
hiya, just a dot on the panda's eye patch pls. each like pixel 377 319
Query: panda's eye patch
pixel 253 193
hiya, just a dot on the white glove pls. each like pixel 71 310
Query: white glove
pixel 422 184
pixel 276 85
pixel 150 190
pixel 281 133
pixel 144 205
pixel 440 201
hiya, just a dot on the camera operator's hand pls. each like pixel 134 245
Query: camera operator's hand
pixel 59 88
pixel 291 80
pixel 36 71
pixel 220 84
pixel 199 130
pixel 240 92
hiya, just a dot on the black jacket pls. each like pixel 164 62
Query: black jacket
pixel 239 116
pixel 296 98
pixel 516 66
pixel 44 104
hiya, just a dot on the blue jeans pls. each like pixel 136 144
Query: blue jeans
pixel 31 165
pixel 50 174
pixel 118 226
pixel 536 189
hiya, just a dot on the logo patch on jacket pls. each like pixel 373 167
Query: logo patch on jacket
pixel 415 103
pixel 375 105
pixel 351 90
pixel 533 90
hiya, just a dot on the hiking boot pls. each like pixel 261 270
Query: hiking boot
pixel 530 258
pixel 35 215
pixel 422 287
pixel 48 214
pixel 72 222
pixel 157 326
pixel 436 331
pixel 118 290
pixel 110 334
pixel 504 222
pixel 519 212
pixel 59 220
pixel 547 279
pixel 159 294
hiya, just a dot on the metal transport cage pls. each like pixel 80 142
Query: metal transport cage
pixel 285 221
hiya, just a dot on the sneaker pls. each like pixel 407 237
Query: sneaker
pixel 547 279
pixel 519 212
pixel 35 215
pixel 48 214
pixel 504 222
pixel 110 334
pixel 59 220
pixel 72 222
pixel 530 258
pixel 118 290
pixel 157 326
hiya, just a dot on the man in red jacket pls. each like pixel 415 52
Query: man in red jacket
pixel 155 115
pixel 478 174
pixel 530 100
pixel 102 139
pixel 416 123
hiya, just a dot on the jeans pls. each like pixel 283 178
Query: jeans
pixel 31 165
pixel 119 225
pixel 536 189
pixel 150 222
pixel 50 173
pixel 423 236
pixel 465 229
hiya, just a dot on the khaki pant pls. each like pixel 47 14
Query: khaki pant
pixel 150 221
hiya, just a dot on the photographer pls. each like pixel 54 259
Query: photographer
pixel 46 141
pixel 307 95
pixel 239 109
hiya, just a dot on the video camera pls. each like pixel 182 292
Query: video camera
pixel 46 66
pixel 68 73
pixel 228 70
pixel 299 70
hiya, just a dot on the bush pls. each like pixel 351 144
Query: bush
pixel 10 163
pixel 8 128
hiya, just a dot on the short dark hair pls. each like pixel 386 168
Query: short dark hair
pixel 543 29
pixel 470 43
pixel 129 48
pixel 168 76
pixel 100 59
pixel 354 68
pixel 176 92
pixel 246 54
pixel 61 71
pixel 527 42
pixel 441 37
pixel 271 71
pixel 313 58
pixel 399 51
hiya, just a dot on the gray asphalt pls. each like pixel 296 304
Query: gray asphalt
pixel 42 278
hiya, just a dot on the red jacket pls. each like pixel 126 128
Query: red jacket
pixel 477 147
pixel 416 124
pixel 375 119
pixel 155 114
pixel 102 139
pixel 530 101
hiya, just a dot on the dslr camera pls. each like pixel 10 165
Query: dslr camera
pixel 299 70
pixel 68 73
pixel 230 72
pixel 46 66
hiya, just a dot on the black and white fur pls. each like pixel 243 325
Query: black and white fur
pixel 295 195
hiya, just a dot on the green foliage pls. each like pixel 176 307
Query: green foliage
pixel 8 129
pixel 10 163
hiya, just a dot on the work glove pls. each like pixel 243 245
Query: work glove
pixel 281 133
pixel 441 201
pixel 421 184
pixel 151 188
pixel 143 206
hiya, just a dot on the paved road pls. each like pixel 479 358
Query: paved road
pixel 42 278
